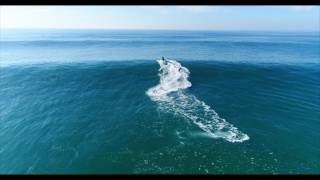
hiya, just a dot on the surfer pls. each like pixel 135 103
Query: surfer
pixel 163 60
pixel 166 62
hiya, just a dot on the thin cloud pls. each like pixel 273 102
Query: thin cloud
pixel 161 9
pixel 301 8
pixel 197 8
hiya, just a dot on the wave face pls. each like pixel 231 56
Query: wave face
pixel 96 118
pixel 171 97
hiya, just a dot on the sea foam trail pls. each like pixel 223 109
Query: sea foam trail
pixel 171 97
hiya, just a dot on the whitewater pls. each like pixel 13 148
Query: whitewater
pixel 171 97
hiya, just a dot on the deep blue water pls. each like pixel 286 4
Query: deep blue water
pixel 74 101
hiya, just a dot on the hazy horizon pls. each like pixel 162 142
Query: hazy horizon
pixel 189 18
pixel 132 29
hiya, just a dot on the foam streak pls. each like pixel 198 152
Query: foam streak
pixel 171 97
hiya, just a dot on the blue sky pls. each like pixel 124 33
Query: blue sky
pixel 271 18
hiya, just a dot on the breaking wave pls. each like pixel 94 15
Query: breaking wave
pixel 171 97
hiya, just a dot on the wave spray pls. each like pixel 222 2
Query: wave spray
pixel 171 97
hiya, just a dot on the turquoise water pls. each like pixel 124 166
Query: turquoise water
pixel 83 101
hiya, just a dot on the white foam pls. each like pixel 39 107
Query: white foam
pixel 172 78
pixel 171 97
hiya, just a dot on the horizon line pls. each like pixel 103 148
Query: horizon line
pixel 154 29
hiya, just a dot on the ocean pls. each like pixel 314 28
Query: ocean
pixel 103 102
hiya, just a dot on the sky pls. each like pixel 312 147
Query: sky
pixel 270 18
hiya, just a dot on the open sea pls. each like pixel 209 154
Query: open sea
pixel 102 102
